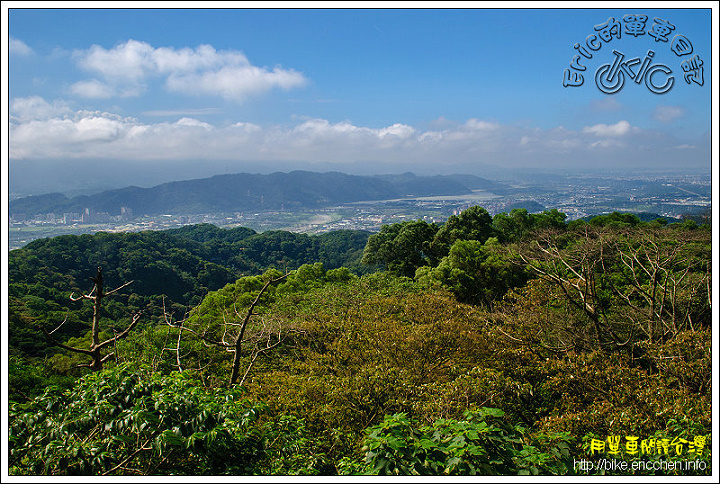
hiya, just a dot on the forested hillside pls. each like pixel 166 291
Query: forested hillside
pixel 246 191
pixel 176 268
pixel 505 345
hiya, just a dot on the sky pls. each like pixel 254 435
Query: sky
pixel 119 96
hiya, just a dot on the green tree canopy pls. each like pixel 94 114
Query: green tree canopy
pixel 401 247
pixel 518 224
pixel 475 223
pixel 475 272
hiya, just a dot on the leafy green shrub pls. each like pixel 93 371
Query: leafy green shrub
pixel 480 444
pixel 26 381
pixel 125 421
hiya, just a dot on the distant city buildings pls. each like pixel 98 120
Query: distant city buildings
pixel 126 214
pixel 87 217
pixel 70 218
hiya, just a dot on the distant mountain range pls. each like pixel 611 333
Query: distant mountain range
pixel 295 190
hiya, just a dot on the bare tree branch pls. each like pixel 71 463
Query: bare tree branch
pixel 96 347
pixel 229 342
pixel 60 325
pixel 238 342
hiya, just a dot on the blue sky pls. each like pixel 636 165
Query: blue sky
pixel 426 88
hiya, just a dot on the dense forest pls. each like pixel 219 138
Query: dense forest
pixel 515 344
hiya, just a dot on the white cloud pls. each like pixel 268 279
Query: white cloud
pixel 80 133
pixel 668 114
pixel 429 137
pixel 194 123
pixel 204 57
pixel 397 129
pixel 201 71
pixel 97 129
pixel 234 83
pixel 344 137
pixel 182 112
pixel 93 89
pixel 607 143
pixel 480 125
pixel 128 62
pixel 18 47
pixel 36 108
pixel 41 130
pixel 470 129
pixel 247 127
pixel 621 128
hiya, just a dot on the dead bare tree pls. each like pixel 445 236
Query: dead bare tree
pixel 645 282
pixel 576 270
pixel 97 294
pixel 661 282
pixel 233 335
pixel 176 348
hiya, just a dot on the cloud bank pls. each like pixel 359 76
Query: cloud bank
pixel 50 130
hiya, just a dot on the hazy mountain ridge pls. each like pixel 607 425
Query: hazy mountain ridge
pixel 244 191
